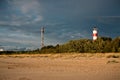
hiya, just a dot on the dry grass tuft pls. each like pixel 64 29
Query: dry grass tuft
pixel 112 61
pixel 113 56
pixel 65 55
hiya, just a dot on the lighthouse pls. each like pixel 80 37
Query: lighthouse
pixel 95 34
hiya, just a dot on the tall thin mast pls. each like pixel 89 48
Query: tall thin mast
pixel 42 37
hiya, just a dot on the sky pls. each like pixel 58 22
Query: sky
pixel 63 20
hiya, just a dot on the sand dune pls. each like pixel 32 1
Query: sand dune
pixel 59 67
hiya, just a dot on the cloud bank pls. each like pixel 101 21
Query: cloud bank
pixel 21 20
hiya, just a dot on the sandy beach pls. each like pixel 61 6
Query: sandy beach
pixel 59 67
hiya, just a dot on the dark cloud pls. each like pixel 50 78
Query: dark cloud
pixel 21 20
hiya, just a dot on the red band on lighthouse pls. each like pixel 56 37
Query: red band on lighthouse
pixel 95 34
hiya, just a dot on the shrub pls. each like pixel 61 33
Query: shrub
pixel 113 56
pixel 112 61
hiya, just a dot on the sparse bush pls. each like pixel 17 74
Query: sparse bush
pixel 113 56
pixel 112 61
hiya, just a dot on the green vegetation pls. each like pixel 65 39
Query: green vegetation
pixel 101 45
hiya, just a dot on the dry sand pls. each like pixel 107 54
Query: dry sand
pixel 59 67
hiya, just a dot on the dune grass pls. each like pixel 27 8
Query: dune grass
pixel 66 55
pixel 112 61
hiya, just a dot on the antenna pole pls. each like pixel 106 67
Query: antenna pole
pixel 42 37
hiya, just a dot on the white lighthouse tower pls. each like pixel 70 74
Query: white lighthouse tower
pixel 95 34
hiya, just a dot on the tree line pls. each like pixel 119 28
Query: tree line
pixel 101 45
